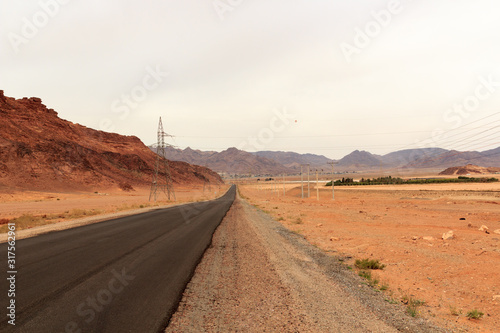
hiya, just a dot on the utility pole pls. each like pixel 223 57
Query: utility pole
pixel 162 179
pixel 308 181
pixel 317 186
pixel 302 180
pixel 333 190
pixel 284 191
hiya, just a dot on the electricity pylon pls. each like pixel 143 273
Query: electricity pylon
pixel 162 179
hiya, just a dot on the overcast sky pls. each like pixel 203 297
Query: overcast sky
pixel 316 76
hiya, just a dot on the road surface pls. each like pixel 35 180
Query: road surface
pixel 122 275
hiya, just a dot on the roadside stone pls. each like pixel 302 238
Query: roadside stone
pixel 448 235
pixel 483 228
pixel 428 238
pixel 497 231
pixel 334 239
pixel 414 238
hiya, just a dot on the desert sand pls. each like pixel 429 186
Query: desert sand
pixel 402 226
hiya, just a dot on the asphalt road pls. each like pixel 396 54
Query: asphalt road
pixel 121 275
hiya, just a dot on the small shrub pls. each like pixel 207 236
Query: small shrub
pixel 298 220
pixel 412 311
pixel 391 301
pixel 281 218
pixel 365 274
pixel 475 314
pixel 373 282
pixel 454 311
pixel 412 305
pixel 369 264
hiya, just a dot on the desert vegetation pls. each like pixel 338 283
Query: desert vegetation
pixel 389 180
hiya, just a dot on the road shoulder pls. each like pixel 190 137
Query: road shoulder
pixel 258 276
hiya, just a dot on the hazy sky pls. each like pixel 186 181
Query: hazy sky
pixel 316 76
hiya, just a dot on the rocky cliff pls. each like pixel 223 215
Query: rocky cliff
pixel 38 150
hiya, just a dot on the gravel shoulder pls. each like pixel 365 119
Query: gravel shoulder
pixel 257 276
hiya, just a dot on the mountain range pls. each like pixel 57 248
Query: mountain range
pixel 234 161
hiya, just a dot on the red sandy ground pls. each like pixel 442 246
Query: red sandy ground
pixel 389 222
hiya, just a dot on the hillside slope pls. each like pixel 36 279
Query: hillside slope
pixel 38 150
pixel 469 169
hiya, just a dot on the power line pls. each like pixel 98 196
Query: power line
pixel 469 143
pixel 454 129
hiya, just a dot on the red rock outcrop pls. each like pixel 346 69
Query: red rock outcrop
pixel 38 150
pixel 469 169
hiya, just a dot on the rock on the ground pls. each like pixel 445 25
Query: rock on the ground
pixel 448 235
pixel 483 228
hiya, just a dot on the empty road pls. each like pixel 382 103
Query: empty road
pixel 121 275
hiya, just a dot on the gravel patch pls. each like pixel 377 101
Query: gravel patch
pixel 257 276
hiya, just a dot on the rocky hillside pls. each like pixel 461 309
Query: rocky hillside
pixel 38 150
pixel 469 169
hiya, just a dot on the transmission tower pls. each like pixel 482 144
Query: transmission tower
pixel 162 179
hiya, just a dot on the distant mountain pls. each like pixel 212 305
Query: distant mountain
pixel 294 160
pixel 404 157
pixel 188 155
pixel 434 158
pixel 450 158
pixel 232 161
pixel 360 160
pixel 235 161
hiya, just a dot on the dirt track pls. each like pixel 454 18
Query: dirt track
pixel 259 277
